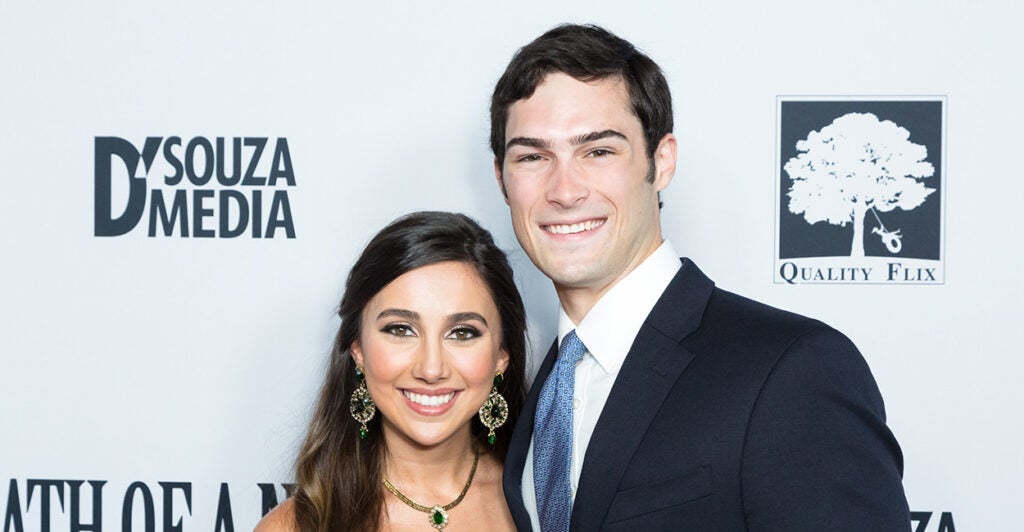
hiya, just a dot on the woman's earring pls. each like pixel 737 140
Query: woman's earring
pixel 494 411
pixel 361 406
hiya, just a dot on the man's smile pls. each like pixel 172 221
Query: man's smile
pixel 570 229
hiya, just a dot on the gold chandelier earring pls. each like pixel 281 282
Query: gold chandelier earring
pixel 361 405
pixel 494 411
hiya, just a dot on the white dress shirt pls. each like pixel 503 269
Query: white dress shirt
pixel 607 331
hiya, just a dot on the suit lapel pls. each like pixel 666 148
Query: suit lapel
pixel 653 365
pixel 519 445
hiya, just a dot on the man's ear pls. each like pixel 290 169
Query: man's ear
pixel 500 179
pixel 665 161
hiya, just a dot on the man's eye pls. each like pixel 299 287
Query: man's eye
pixel 398 329
pixel 528 158
pixel 600 152
pixel 464 333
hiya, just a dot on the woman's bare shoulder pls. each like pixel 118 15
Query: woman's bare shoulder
pixel 280 519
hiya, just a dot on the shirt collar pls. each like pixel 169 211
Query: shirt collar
pixel 610 327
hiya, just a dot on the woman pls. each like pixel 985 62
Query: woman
pixel 432 338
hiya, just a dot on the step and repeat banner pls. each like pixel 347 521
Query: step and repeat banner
pixel 187 184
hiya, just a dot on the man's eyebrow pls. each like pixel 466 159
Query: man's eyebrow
pixel 529 142
pixel 596 135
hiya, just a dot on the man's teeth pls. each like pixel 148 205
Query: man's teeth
pixel 574 228
pixel 430 400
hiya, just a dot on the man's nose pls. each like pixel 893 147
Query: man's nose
pixel 568 184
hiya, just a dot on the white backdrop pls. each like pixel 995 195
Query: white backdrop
pixel 195 360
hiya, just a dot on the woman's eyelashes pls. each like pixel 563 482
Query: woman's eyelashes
pixel 398 329
pixel 459 332
pixel 464 333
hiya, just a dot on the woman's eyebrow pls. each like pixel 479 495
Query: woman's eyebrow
pixel 466 316
pixel 398 312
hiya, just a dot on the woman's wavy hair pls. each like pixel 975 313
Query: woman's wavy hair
pixel 338 475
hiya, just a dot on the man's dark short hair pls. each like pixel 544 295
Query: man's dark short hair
pixel 587 53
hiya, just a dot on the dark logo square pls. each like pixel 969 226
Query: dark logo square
pixel 860 178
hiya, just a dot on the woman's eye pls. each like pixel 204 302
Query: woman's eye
pixel 464 333
pixel 398 329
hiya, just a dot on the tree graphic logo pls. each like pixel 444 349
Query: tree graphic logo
pixel 859 179
pixel 857 165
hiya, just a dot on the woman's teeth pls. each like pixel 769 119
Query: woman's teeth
pixel 429 400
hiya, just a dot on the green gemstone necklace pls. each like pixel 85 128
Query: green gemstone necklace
pixel 437 515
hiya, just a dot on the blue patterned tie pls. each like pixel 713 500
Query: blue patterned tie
pixel 552 438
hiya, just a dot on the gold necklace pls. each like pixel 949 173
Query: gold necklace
pixel 437 515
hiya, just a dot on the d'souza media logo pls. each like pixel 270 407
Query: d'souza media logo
pixel 195 188
pixel 860 190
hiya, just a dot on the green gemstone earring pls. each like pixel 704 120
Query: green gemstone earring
pixel 494 411
pixel 361 405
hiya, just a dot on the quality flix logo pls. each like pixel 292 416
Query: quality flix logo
pixel 202 188
pixel 859 195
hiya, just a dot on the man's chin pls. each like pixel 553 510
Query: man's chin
pixel 571 276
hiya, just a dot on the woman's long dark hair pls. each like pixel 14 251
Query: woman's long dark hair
pixel 338 475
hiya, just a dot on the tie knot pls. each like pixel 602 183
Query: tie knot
pixel 572 349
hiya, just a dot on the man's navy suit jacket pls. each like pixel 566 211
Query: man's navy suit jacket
pixel 731 415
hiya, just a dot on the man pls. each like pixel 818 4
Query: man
pixel 671 404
